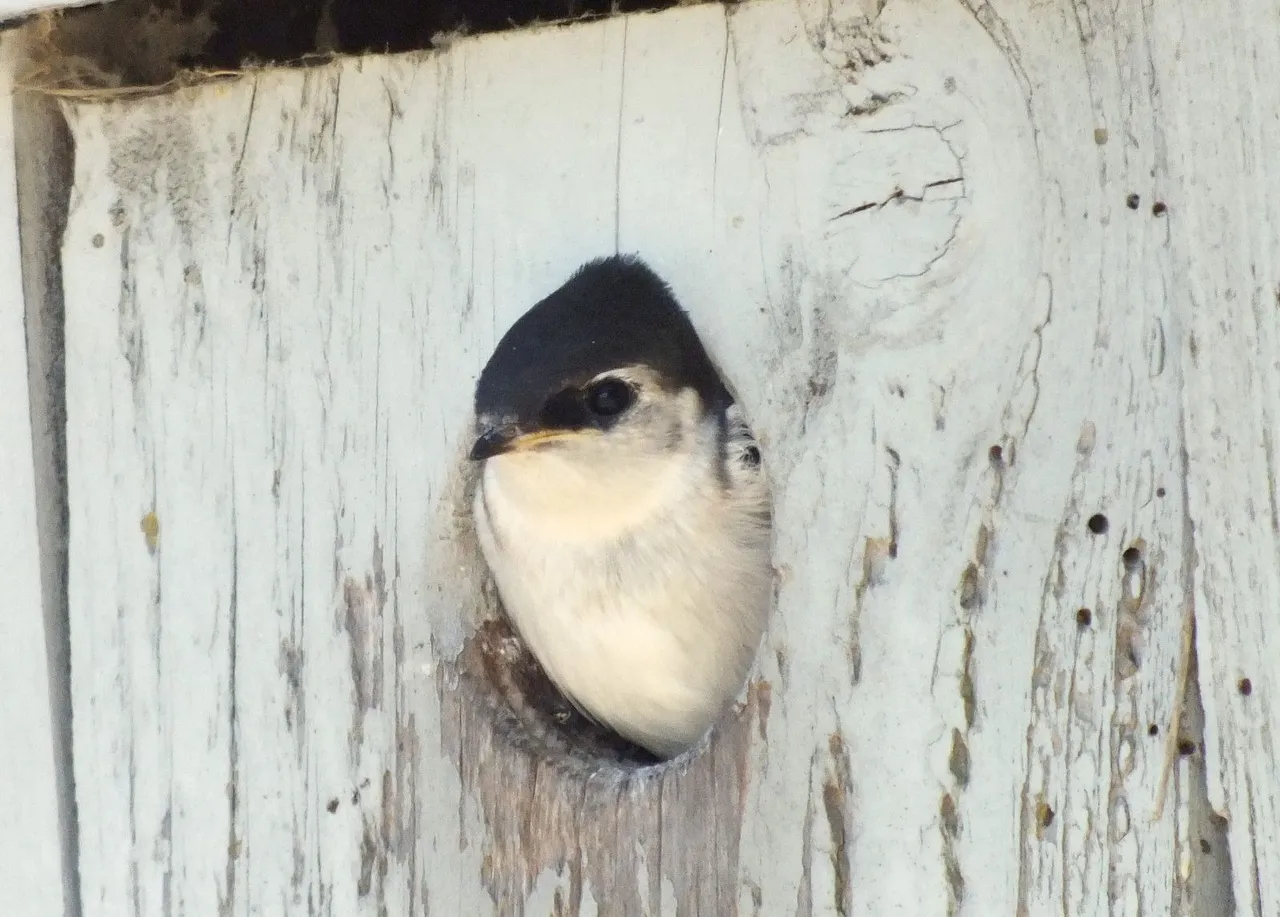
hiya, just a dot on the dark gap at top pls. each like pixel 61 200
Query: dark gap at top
pixel 141 43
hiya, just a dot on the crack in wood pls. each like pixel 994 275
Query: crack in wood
pixel 835 803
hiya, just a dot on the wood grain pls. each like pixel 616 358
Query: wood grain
pixel 32 830
pixel 1014 457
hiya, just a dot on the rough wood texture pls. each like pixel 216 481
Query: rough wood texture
pixel 31 831
pixel 996 286
pixel 14 9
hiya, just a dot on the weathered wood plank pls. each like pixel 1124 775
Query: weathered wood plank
pixel 909 244
pixel 31 878
pixel 1223 194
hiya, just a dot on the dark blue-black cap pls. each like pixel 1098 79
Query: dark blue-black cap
pixel 613 312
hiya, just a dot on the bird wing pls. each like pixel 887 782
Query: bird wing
pixel 743 465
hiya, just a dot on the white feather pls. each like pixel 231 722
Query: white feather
pixel 636 577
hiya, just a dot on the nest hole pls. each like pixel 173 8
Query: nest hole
pixel 541 717
pixel 528 710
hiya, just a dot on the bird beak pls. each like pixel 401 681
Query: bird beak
pixel 495 441
pixel 510 437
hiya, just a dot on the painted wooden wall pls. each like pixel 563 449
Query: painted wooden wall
pixel 997 284
pixel 34 826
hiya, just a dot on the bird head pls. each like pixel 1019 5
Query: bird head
pixel 606 371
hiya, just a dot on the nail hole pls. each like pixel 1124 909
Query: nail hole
pixel 996 454
pixel 1205 847
pixel 1098 524
pixel 333 805
pixel 1245 687
pixel 99 240
pixel 1132 201
pixel 1186 747
pixel 1159 491
pixel 1153 730
pixel 1159 208
pixel 1084 617
pixel 1131 558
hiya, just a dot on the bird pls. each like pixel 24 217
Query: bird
pixel 622 506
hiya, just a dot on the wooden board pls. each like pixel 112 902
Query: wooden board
pixel 31 878
pixel 1016 425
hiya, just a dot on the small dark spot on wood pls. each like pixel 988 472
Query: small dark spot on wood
pixel 1159 208
pixel 355 798
pixel 1084 617
pixel 835 797
pixel 368 859
pixel 1205 846
pixel 1100 135
pixel 949 85
pixel 969 586
pixel 967 697
pixel 1132 201
pixel 996 454
pixel 1044 814
pixel 751 456
pixel 333 805
pixel 1131 557
pixel 981 543
pixel 958 762
pixel 150 526
pixel 1186 747
pixel 1245 687
pixel 1153 730
pixel 1159 491
pixel 99 240
pixel 949 815
pixel 764 703
pixel 1098 524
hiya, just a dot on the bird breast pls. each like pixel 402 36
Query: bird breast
pixel 645 602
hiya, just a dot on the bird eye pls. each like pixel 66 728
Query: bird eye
pixel 609 397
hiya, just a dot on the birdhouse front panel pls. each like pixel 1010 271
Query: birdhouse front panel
pixel 956 670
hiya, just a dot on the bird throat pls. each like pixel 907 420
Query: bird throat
pixel 580 494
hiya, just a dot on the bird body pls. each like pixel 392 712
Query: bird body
pixel 630 547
